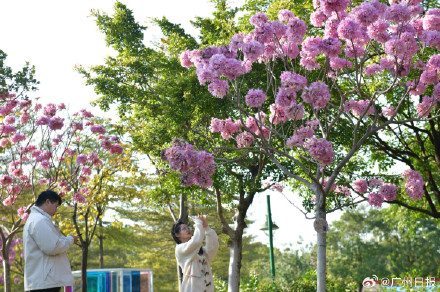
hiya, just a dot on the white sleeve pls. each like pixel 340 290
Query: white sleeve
pixel 48 239
pixel 212 244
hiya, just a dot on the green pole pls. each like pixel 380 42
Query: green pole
pixel 269 224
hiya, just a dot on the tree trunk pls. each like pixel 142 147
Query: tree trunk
pixel 360 287
pixel 235 254
pixel 6 265
pixel 101 246
pixel 321 255
pixel 85 253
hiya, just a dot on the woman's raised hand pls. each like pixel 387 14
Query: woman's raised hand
pixel 203 218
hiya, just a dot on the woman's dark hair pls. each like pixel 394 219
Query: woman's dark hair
pixel 174 230
pixel 51 195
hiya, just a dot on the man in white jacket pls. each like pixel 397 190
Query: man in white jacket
pixel 47 267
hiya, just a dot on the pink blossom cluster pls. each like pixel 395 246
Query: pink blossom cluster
pixel 219 88
pixel 343 190
pixel 414 184
pixel 290 84
pixel 213 62
pixel 255 124
pixel 244 139
pixel 108 143
pixel 425 107
pixel 301 134
pixel 78 197
pixel 321 150
pixel 360 186
pixel 375 199
pixel 226 127
pixel 255 97
pixel 196 167
pixel 23 214
pixel 359 108
pixel 97 129
pixel 339 63
pixel 416 88
pixel 372 70
pixel 317 94
pixel 388 191
pixel 275 186
pixel 8 107
pixel 375 182
pixel 6 130
pixel 268 41
pixel 116 149
pixel 389 111
pixel 397 27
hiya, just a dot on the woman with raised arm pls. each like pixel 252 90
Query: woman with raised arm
pixel 194 259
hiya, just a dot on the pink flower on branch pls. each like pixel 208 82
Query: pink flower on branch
pixel 244 139
pixel 219 88
pixel 24 119
pixel 116 149
pixel 6 130
pixel 195 167
pixel 285 15
pixel 56 123
pixel 292 81
pixel 375 182
pixel 9 120
pixel 425 107
pixel 81 159
pixel 414 184
pixel 359 108
pixel 79 198
pixel 50 110
pixel 321 150
pixel 6 180
pixel 317 94
pixel 18 138
pixel 8 201
pixel 4 142
pixel 397 13
pixel 375 199
pixel 185 59
pixel 388 191
pixel 97 129
pixel 45 164
pixel 360 186
pixel 338 63
pixel 255 97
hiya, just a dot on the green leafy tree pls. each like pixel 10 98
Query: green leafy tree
pixel 378 242
pixel 159 101
pixel 18 83
pixel 334 100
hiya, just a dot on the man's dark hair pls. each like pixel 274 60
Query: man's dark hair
pixel 51 195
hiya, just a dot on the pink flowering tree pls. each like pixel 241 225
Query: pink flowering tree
pixel 324 95
pixel 95 159
pixel 39 143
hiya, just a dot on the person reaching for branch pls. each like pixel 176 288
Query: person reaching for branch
pixel 194 260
